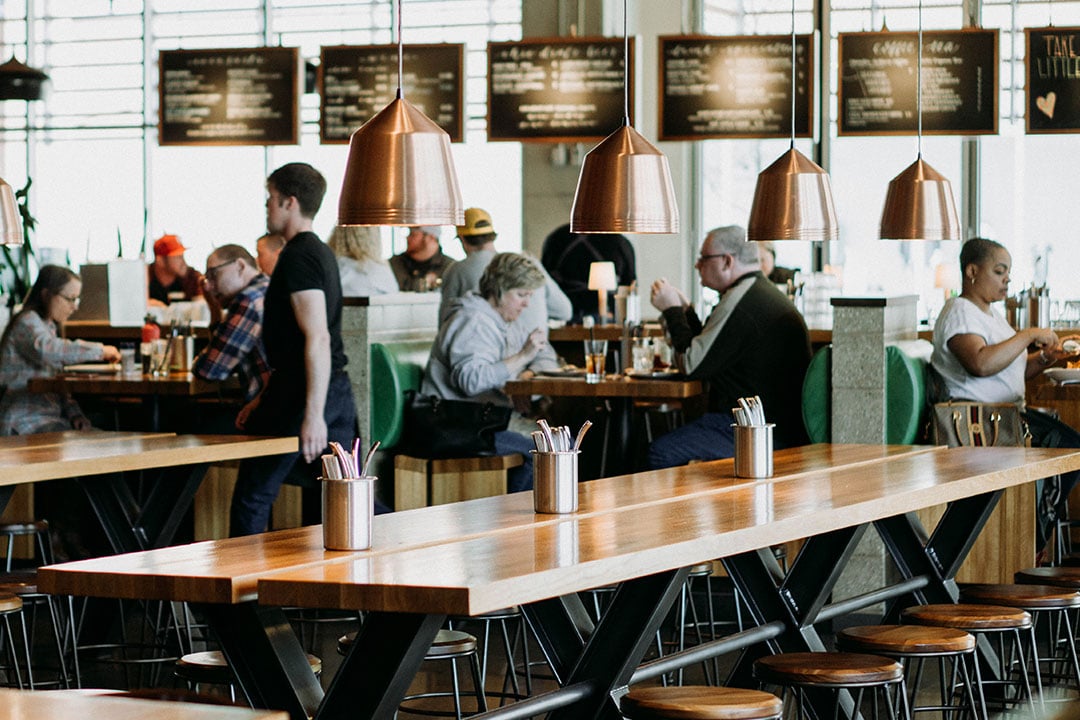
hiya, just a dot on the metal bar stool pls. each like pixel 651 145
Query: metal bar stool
pixel 686 616
pixel 211 668
pixel 1057 604
pixel 38 528
pixel 831 672
pixel 993 622
pixel 514 633
pixel 697 702
pixel 912 645
pixel 62 623
pixel 451 645
pixel 10 606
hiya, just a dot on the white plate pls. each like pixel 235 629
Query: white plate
pixel 1063 376
pixel 93 368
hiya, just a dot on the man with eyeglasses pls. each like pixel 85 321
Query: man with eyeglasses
pixel 754 342
pixel 232 281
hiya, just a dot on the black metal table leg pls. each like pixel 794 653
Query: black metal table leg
pixel 379 668
pixel 270 667
pixel 561 626
pixel 619 641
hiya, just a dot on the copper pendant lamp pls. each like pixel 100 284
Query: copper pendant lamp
pixel 400 169
pixel 625 182
pixel 919 204
pixel 11 230
pixel 793 198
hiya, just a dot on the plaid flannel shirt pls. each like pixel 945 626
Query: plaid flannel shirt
pixel 236 343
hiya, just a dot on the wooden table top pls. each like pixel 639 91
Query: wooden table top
pixel 18 442
pixel 609 332
pixel 611 386
pixel 181 384
pixel 96 453
pixel 102 330
pixel 38 705
pixel 545 560
pixel 227 571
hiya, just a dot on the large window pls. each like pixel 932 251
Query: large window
pixel 98 172
pixel 1020 181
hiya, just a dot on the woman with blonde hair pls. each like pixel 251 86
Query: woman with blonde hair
pixel 359 256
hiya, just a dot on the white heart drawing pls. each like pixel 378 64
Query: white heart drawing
pixel 1046 104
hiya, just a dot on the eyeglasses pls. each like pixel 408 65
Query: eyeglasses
pixel 73 300
pixel 703 258
pixel 211 272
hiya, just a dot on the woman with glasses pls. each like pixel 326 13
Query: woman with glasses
pixel 30 347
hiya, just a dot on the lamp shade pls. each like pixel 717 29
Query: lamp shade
pixel 400 172
pixel 793 201
pixel 602 276
pixel 625 187
pixel 919 206
pixel 19 81
pixel 11 231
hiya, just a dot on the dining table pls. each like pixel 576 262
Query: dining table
pixel 620 391
pixel 150 389
pixel 640 532
pixel 27 705
pixel 98 457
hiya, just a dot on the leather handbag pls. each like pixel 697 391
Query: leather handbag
pixel 439 428
pixel 958 422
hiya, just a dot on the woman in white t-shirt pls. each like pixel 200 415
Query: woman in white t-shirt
pixel 981 358
pixel 978 355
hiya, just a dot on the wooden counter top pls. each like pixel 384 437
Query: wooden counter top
pixel 611 386
pixel 38 705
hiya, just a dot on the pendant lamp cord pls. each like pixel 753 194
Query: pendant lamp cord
pixel 626 67
pixel 919 81
pixel 793 74
pixel 400 52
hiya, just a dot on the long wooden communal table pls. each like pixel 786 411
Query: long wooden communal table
pixel 96 458
pixel 26 705
pixel 639 530
pixel 221 576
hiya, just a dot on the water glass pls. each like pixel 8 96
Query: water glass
pixel 159 365
pixel 127 360
pixel 595 360
pixel 642 353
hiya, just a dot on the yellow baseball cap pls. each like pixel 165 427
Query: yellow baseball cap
pixel 477 222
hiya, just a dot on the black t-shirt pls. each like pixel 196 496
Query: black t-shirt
pixel 305 264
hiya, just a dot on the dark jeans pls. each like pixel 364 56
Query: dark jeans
pixel 518 479
pixel 260 479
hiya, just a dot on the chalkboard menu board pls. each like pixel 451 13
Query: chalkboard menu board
pixel 1053 80
pixel 235 96
pixel 878 90
pixel 556 89
pixel 358 81
pixel 734 87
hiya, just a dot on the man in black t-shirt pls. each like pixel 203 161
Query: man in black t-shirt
pixel 309 393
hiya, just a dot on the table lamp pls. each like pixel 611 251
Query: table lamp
pixel 602 279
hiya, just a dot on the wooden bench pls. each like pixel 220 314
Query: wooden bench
pixel 397 368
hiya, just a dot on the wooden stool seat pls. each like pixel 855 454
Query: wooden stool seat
pixel 967 616
pixel 1028 597
pixel 447 643
pixel 1060 576
pixel 701 570
pixel 700 702
pixel 212 668
pixel 823 669
pixel 905 640
pixel 24 527
pixel 9 603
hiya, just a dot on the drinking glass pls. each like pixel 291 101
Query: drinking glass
pixel 642 352
pixel 595 360
pixel 158 362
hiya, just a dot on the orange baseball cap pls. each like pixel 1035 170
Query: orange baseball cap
pixel 168 246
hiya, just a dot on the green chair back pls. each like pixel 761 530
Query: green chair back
pixel 396 368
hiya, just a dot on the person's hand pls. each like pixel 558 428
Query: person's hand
pixel 80 422
pixel 664 295
pixel 245 412
pixel 109 353
pixel 534 343
pixel 1043 338
pixel 313 438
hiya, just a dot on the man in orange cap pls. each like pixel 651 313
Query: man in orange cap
pixel 170 277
